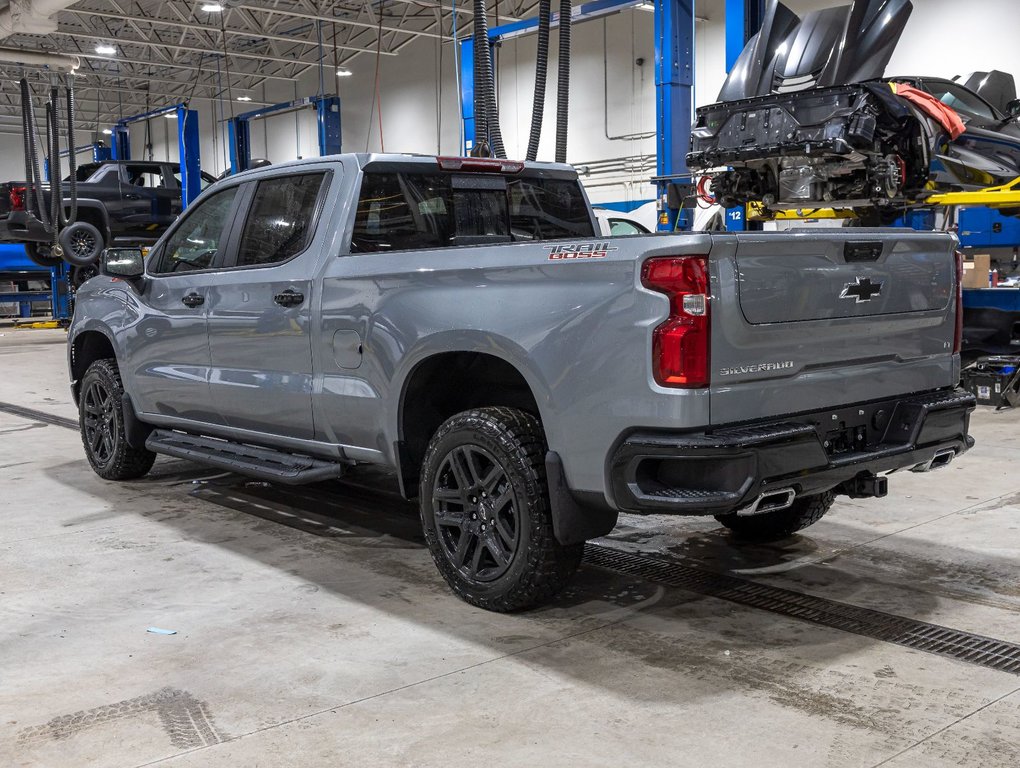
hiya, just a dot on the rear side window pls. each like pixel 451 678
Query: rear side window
pixel 281 219
pixel 413 211
pixel 146 176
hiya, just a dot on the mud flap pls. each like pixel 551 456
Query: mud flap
pixel 573 523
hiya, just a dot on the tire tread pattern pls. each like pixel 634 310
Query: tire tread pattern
pixel 128 463
pixel 550 564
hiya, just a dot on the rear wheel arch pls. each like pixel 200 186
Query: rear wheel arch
pixel 447 383
pixel 94 214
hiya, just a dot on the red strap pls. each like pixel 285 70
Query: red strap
pixel 942 114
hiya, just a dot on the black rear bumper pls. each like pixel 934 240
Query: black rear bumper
pixel 23 227
pixel 727 469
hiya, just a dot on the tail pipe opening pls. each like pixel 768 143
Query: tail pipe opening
pixel 770 501
pixel 939 460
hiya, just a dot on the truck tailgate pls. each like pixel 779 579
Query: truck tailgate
pixel 823 318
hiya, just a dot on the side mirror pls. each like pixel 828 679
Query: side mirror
pixel 127 263
pixel 1013 108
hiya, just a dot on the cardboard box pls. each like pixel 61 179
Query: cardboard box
pixel 975 271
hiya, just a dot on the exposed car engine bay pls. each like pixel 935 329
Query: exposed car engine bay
pixel 807 120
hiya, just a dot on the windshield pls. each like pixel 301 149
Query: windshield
pixel 957 97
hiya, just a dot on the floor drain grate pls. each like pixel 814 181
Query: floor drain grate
pixel 932 638
pixel 34 415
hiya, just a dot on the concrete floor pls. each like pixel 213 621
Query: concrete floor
pixel 312 628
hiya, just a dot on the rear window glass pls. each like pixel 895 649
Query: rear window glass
pixel 411 211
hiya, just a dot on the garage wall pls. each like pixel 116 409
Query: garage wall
pixel 420 105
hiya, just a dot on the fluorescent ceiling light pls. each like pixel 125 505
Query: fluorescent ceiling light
pixel 170 115
pixel 212 8
pixel 105 50
pixel 108 132
pixel 244 98
pixel 343 72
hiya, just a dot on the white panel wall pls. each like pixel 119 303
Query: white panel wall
pixel 420 105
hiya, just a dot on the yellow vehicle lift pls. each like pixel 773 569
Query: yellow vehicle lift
pixel 1003 196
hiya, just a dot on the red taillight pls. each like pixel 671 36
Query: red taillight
pixel 17 197
pixel 482 164
pixel 958 333
pixel 680 345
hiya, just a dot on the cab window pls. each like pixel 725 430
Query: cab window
pixel 281 219
pixel 195 243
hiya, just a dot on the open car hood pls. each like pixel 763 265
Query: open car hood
pixel 833 46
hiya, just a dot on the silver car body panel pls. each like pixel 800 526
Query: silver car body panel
pixel 579 332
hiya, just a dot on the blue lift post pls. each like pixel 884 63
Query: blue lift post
pixel 327 122
pixel 674 105
pixel 189 150
pixel 743 20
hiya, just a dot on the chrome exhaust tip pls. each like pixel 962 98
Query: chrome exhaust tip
pixel 771 501
pixel 940 459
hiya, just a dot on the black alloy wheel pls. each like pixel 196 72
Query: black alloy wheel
pixel 101 406
pixel 485 512
pixel 476 513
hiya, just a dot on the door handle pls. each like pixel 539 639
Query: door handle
pixel 289 298
pixel 193 300
pixel 132 197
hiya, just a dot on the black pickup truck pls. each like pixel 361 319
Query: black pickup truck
pixel 120 202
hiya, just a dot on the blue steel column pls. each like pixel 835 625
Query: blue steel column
pixel 189 154
pixel 467 91
pixel 120 142
pixel 743 20
pixel 327 113
pixel 240 144
pixel 674 87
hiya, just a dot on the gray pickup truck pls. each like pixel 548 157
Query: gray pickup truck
pixel 459 320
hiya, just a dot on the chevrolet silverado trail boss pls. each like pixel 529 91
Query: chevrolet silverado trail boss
pixel 460 321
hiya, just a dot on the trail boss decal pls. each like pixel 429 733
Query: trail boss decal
pixel 757 368
pixel 579 251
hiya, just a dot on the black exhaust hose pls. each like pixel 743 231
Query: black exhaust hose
pixel 25 128
pixel 541 75
pixel 35 175
pixel 72 162
pixel 481 43
pixel 53 134
pixel 563 83
pixel 486 115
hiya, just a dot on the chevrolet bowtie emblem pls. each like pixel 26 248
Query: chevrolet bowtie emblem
pixel 862 290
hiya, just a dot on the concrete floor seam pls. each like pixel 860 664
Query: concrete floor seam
pixel 956 722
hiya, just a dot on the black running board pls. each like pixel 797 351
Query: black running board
pixel 254 461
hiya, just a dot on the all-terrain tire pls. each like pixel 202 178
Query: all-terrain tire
pixel 485 511
pixel 101 422
pixel 772 526
pixel 82 243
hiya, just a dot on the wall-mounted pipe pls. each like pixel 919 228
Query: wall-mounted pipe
pixel 56 62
